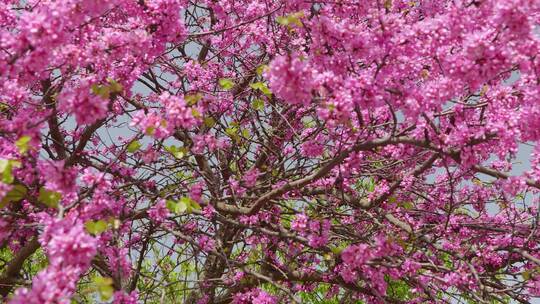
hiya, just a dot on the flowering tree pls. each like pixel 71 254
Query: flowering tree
pixel 256 151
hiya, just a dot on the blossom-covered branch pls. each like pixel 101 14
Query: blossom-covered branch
pixel 185 151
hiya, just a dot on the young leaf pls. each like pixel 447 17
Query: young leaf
pixel 17 193
pixel 226 83
pixel 261 86
pixel 408 205
pixel 6 166
pixel 231 131
pixel 282 20
pixel 150 131
pixel 209 122
pixel 189 203
pixel 105 287
pixel 101 91
pixel 177 152
pixel 258 104
pixel 192 99
pixel 49 198
pixel 171 205
pixel 95 227
pixel 260 69
pixel 195 205
pixel 22 144
pixel 195 113
pixel 134 146
pixel 291 19
pixel 114 86
pixel 176 207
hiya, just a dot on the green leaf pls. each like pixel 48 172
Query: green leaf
pixel 398 289
pixel 370 185
pixel 182 174
pixel 96 227
pixel 407 205
pixel 171 205
pixel 195 113
pixel 49 198
pixel 209 122
pixel 177 207
pixel 195 205
pixel 177 152
pixel 104 287
pixel 6 166
pixel 309 122
pixel 17 193
pixel 291 19
pixel 226 83
pixel 193 99
pixel 105 91
pixel 150 131
pixel 261 86
pixel 337 249
pixel 260 69
pixel 114 86
pixel 22 144
pixel 231 131
pixel 190 204
pixel 180 153
pixel 447 259
pixel 258 104
pixel 101 91
pixel 282 20
pixel 134 146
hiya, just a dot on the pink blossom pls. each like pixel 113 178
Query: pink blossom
pixel 206 243
pixel 159 212
pixel 250 177
pixel 299 223
pixel 70 251
pixel 255 296
pixel 291 78
pixel 121 297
